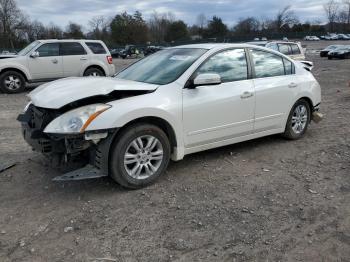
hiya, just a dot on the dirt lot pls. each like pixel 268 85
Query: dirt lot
pixel 263 200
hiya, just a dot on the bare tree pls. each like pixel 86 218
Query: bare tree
pixel 11 19
pixel 347 11
pixel 331 9
pixel 99 27
pixel 158 26
pixel 202 21
pixel 285 17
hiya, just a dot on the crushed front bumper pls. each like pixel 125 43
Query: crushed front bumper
pixel 66 151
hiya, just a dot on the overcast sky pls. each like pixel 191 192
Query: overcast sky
pixel 80 11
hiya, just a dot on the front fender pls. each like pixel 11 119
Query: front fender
pixel 18 67
pixel 150 105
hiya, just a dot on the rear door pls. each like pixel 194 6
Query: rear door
pixel 49 63
pixel 276 88
pixel 75 58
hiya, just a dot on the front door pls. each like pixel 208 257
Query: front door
pixel 220 112
pixel 49 63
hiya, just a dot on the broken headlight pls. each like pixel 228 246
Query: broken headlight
pixel 77 120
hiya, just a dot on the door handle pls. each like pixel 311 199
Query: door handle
pixel 246 94
pixel 55 61
pixel 83 58
pixel 292 85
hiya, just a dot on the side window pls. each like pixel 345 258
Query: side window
pixel 231 65
pixel 50 49
pixel 288 67
pixel 96 48
pixel 295 49
pixel 285 49
pixel 72 48
pixel 267 64
pixel 272 46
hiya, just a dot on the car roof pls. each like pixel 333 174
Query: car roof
pixel 210 46
pixel 217 47
pixel 68 40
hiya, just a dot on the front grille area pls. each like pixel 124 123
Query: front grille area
pixel 34 121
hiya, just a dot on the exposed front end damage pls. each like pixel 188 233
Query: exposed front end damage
pixel 71 151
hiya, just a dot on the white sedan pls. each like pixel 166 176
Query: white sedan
pixel 173 103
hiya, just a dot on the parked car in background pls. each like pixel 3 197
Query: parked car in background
pixel 333 37
pixel 291 49
pixel 264 39
pixel 116 52
pixel 46 60
pixel 152 49
pixel 342 52
pixel 7 54
pixel 129 51
pixel 311 38
pixel 343 37
pixel 324 52
pixel 176 102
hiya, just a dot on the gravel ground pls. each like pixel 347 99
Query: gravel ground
pixel 264 200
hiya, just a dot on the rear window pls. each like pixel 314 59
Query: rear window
pixel 96 48
pixel 295 50
pixel 285 49
pixel 71 48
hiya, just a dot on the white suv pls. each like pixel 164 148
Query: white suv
pixel 46 60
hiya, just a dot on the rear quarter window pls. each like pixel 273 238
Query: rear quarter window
pixel 267 64
pixel 96 48
pixel 288 67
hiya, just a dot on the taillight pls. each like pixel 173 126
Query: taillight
pixel 110 59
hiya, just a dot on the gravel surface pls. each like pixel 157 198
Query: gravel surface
pixel 264 200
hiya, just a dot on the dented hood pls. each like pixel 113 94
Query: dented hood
pixel 59 93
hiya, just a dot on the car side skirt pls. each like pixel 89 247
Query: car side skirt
pixel 230 141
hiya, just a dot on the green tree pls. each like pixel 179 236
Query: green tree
pixel 177 30
pixel 129 29
pixel 216 28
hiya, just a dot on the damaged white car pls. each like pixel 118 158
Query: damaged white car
pixel 176 102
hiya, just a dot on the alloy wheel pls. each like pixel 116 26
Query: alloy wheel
pixel 12 82
pixel 143 157
pixel 299 119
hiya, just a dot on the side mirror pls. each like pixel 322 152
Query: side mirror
pixel 207 79
pixel 35 54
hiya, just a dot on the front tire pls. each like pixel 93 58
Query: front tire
pixel 298 120
pixel 139 156
pixel 12 82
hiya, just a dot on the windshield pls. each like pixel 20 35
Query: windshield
pixel 28 48
pixel 342 48
pixel 162 67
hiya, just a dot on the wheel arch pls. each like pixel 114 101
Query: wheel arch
pixel 7 69
pixel 95 66
pixel 157 121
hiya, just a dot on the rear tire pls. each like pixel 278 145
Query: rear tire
pixel 12 82
pixel 93 72
pixel 140 154
pixel 298 120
